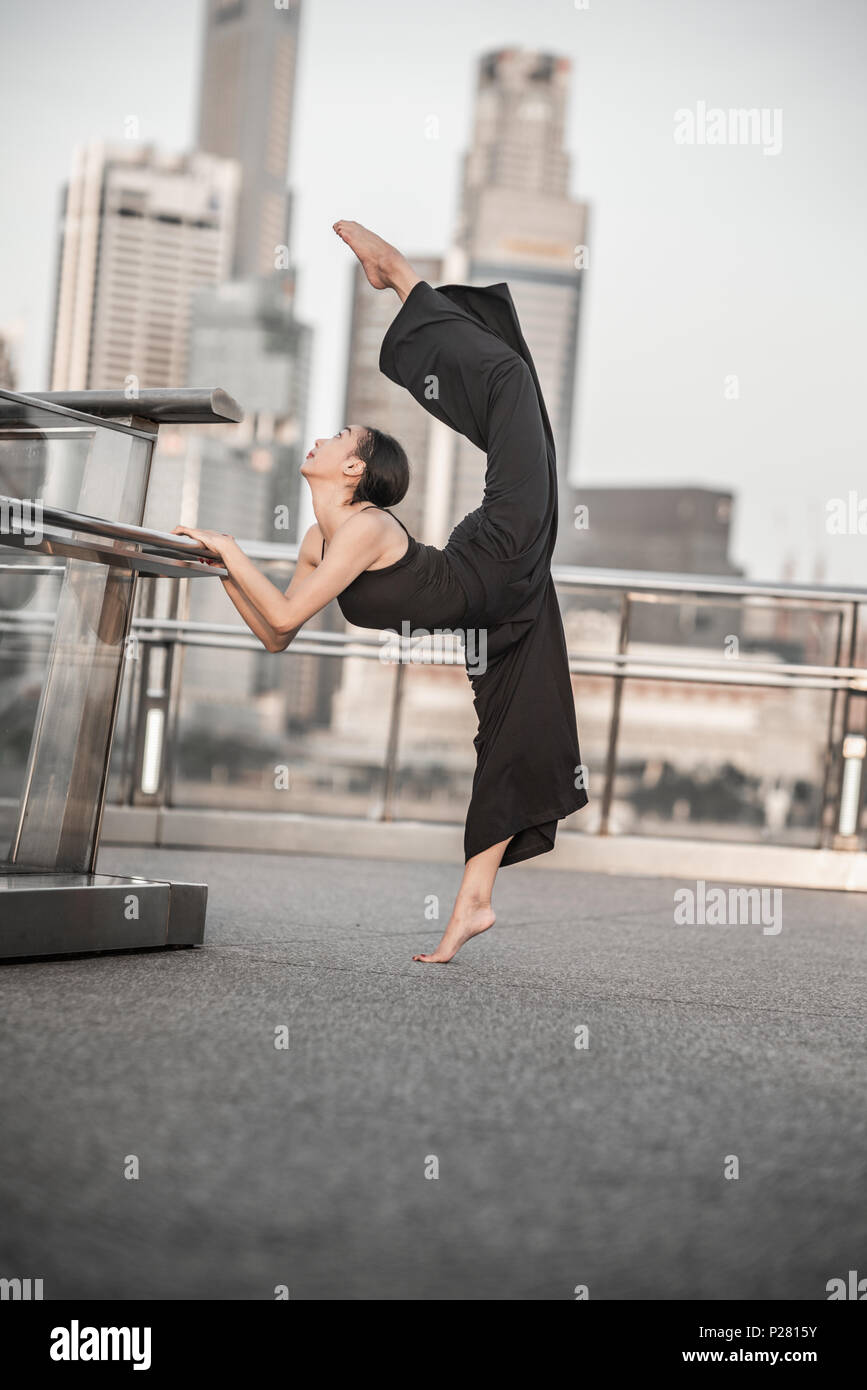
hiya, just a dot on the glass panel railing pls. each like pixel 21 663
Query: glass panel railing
pixel 73 489
pixel 705 708
pixel 296 735
pixel 252 729
pixel 436 761
pixel 71 546
pixel 742 763
pixel 62 627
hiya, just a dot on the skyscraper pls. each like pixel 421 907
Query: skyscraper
pixel 141 231
pixel 245 113
pixel 518 222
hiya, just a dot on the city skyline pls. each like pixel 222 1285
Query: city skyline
pixel 727 271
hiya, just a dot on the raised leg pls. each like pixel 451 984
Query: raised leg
pixel 464 374
pixel 472 913
pixel 457 369
pixel 385 267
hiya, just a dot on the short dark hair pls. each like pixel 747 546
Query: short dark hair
pixel 385 479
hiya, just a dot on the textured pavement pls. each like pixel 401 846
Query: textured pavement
pixel 557 1167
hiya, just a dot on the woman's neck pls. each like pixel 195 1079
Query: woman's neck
pixel 331 511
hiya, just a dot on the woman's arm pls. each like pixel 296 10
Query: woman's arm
pixel 273 641
pixel 216 541
pixel 356 545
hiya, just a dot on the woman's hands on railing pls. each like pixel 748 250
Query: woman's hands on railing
pixel 217 541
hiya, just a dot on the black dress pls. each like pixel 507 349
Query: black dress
pixel 460 353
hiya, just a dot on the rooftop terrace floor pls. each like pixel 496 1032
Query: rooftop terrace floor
pixel 557 1167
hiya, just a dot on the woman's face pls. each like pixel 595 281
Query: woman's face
pixel 335 458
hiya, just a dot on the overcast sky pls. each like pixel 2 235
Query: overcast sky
pixel 707 262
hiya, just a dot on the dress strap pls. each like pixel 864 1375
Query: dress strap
pixel 372 506
pixel 388 513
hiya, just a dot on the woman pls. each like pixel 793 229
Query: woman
pixel 459 351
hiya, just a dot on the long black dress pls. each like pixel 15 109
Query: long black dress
pixel 460 353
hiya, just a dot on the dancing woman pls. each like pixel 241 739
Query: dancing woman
pixel 460 353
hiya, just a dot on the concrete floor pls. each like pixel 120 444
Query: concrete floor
pixel 305 1166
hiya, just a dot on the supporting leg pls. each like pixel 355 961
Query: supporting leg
pixel 472 913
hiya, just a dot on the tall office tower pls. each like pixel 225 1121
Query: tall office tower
pixel 246 334
pixel 245 113
pixel 519 223
pixel 141 232
pixel 371 399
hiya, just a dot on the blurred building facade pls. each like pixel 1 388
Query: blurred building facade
pixel 682 530
pixel 675 530
pixel 141 232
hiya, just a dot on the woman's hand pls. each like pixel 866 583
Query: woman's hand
pixel 216 541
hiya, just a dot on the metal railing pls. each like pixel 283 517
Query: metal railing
pixel 185 405
pixel 845 680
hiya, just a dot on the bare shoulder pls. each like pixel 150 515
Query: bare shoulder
pixel 377 531
pixel 365 525
pixel 368 531
pixel 375 520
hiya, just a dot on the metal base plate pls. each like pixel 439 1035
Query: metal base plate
pixel 50 914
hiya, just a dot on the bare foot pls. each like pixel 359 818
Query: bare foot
pixel 463 924
pixel 385 267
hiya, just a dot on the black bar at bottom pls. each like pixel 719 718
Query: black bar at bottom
pixel 200 1337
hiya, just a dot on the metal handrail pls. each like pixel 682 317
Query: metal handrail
pixel 645 581
pixel 843 683
pixel 233 636
pixel 615 659
pixel 840 683
pixel 190 405
pixel 646 665
pixel 157 541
